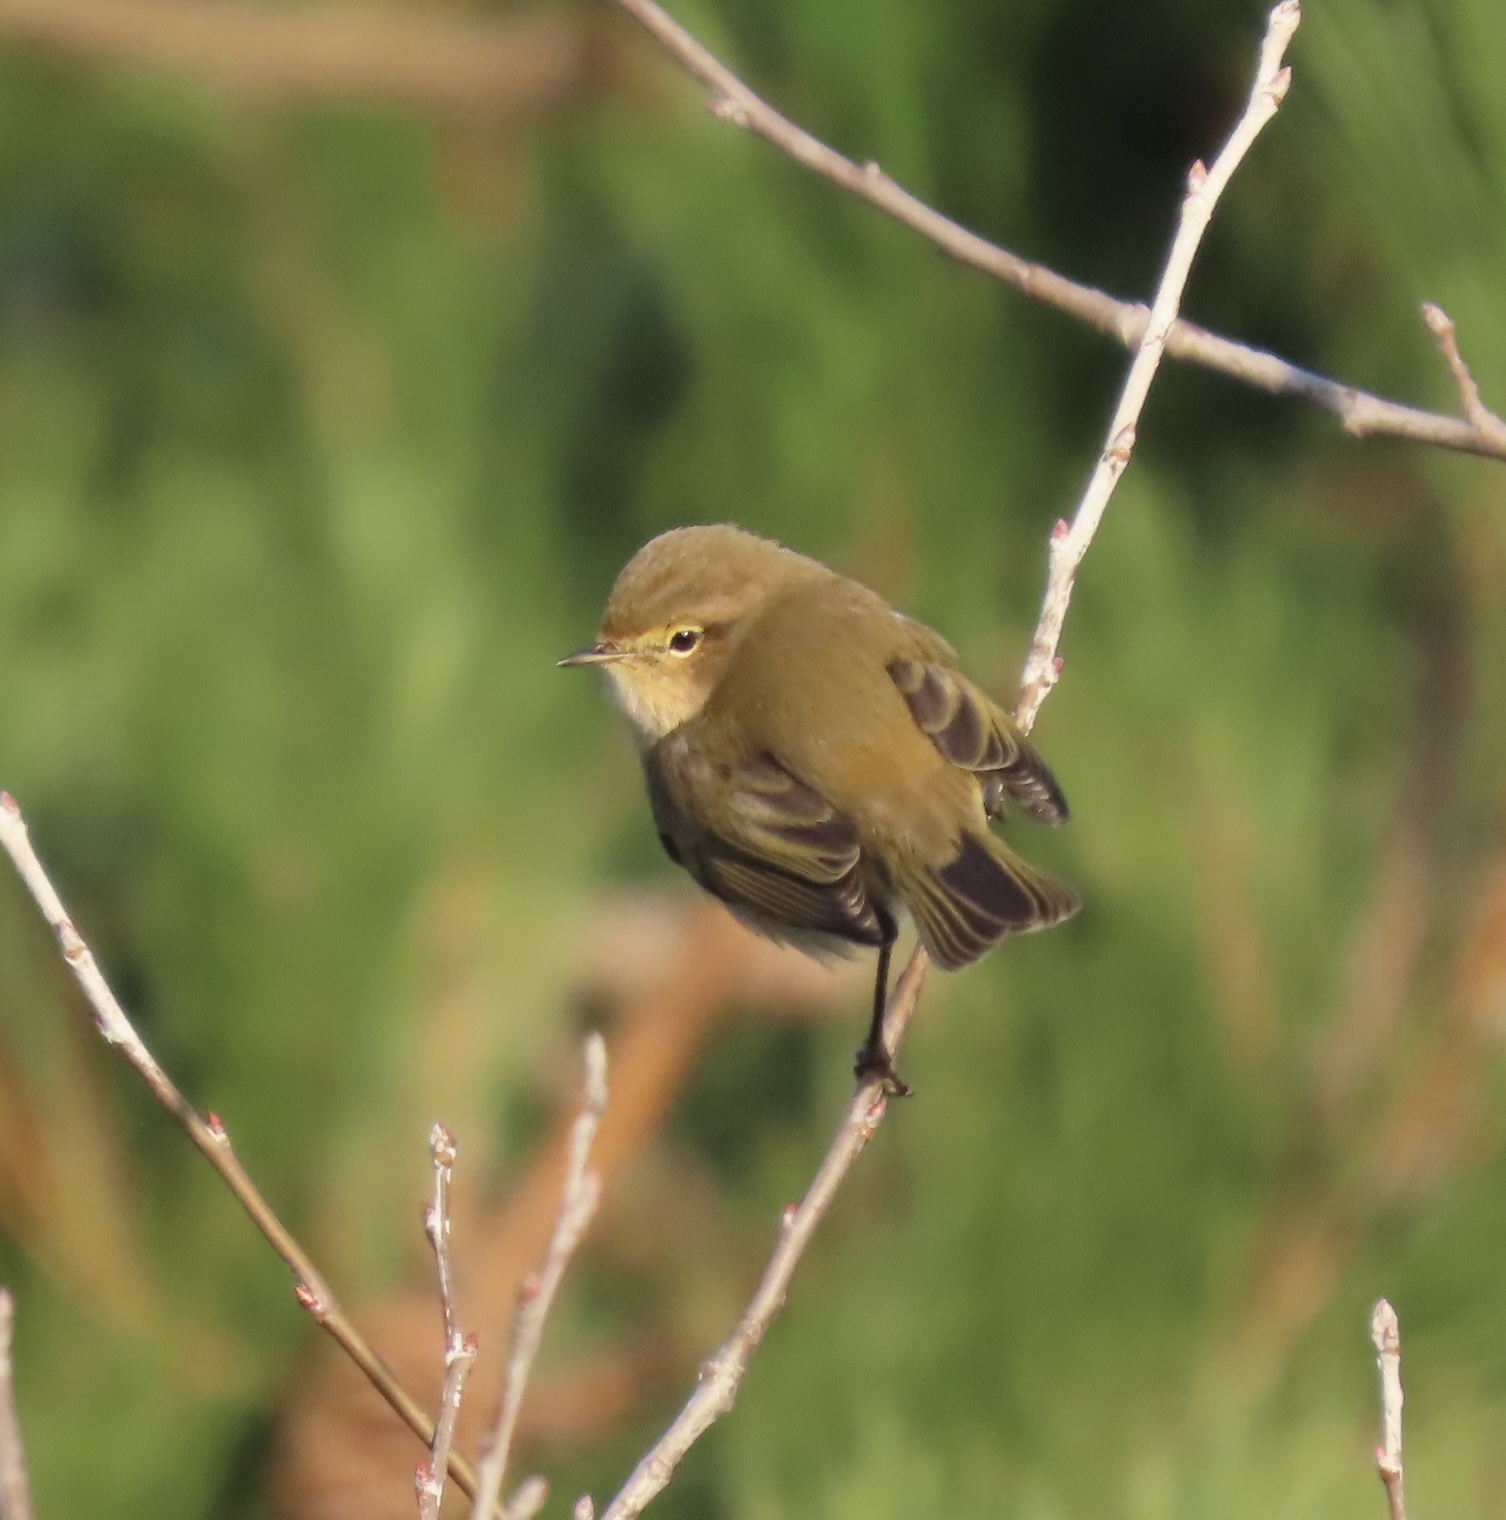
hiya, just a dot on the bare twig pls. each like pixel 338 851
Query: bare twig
pixel 1362 414
pixel 1385 1334
pixel 1204 187
pixel 459 1348
pixel 209 1135
pixel 437 1227
pixel 1481 418
pixel 716 1390
pixel 15 1495
pixel 503 67
pixel 582 1192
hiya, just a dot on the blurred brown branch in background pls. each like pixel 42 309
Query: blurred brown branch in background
pixel 1362 414
pixel 1346 1163
pixel 514 66
pixel 15 1495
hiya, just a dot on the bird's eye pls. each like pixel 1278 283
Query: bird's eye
pixel 684 640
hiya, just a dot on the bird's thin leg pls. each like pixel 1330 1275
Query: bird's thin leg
pixel 873 1060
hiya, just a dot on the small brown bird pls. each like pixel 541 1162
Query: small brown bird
pixel 817 761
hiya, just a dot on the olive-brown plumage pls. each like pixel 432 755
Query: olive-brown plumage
pixel 816 759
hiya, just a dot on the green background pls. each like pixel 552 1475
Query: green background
pixel 323 430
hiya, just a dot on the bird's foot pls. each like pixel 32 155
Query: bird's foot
pixel 874 1062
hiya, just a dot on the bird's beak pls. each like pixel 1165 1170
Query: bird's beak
pixel 596 654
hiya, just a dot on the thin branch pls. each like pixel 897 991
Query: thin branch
pixel 1204 187
pixel 15 1494
pixel 209 1135
pixel 716 1390
pixel 503 67
pixel 1362 414
pixel 1385 1334
pixel 459 1348
pixel 582 1192
pixel 1481 418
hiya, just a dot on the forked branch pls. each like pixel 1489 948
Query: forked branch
pixel 1204 187
pixel 1361 413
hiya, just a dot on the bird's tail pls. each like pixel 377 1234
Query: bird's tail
pixel 987 891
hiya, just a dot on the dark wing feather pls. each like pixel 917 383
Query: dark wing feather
pixel 764 841
pixel 976 735
pixel 985 892
pixel 781 902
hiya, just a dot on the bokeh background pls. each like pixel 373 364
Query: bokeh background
pixel 345 354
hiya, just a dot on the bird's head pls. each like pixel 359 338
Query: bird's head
pixel 677 612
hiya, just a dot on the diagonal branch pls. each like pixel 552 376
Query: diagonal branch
pixel 1204 187
pixel 1361 413
pixel 209 1135
pixel 716 1390
pixel 717 1387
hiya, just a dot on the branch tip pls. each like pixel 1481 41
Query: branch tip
pixel 596 1072
pixel 1385 1336
pixel 1385 1329
pixel 1488 427
pixel 531 1496
pixel 442 1145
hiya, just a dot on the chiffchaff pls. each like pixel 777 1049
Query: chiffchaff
pixel 816 760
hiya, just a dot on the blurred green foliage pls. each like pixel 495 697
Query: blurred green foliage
pixel 322 432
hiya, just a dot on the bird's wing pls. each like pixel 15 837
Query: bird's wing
pixel 977 735
pixel 764 840
pixel 984 893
